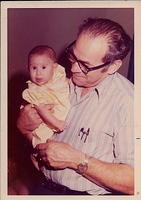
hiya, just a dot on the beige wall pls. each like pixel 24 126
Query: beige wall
pixel 56 27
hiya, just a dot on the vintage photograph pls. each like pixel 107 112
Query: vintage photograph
pixel 70 100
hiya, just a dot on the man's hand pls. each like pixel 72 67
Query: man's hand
pixel 35 162
pixel 59 155
pixel 28 119
pixel 116 177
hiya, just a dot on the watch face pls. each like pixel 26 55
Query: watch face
pixel 81 168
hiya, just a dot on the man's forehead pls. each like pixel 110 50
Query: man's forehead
pixel 98 39
pixel 88 46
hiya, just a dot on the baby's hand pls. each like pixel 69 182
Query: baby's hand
pixel 61 125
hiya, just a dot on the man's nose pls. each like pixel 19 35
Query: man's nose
pixel 75 67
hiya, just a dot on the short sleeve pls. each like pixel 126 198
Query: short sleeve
pixel 124 132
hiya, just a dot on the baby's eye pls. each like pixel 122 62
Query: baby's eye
pixel 34 67
pixel 44 67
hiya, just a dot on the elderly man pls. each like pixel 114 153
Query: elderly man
pixel 94 155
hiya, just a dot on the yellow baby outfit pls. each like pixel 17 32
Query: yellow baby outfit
pixel 55 92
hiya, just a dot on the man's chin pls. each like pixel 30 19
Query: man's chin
pixel 77 81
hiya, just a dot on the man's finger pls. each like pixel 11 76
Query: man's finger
pixel 42 153
pixel 41 146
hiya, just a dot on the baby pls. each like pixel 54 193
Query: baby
pixel 48 85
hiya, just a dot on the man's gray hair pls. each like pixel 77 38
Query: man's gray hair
pixel 119 42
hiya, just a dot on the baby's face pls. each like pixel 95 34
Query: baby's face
pixel 41 69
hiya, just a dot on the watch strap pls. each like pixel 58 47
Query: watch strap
pixel 82 167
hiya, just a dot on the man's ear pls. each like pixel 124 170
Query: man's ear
pixel 114 66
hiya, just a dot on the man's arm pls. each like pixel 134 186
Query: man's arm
pixel 28 121
pixel 117 177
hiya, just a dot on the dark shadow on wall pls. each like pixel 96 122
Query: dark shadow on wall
pixel 63 60
pixel 15 87
pixel 20 168
pixel 131 65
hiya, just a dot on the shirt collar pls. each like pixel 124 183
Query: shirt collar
pixel 100 88
pixel 104 84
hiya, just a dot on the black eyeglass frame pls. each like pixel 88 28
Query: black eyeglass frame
pixel 88 69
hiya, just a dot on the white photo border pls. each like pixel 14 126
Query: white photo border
pixel 137 105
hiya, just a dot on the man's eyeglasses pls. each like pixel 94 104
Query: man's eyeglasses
pixel 82 65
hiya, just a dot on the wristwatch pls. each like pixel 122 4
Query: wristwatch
pixel 82 167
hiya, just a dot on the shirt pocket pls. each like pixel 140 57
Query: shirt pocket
pixel 100 143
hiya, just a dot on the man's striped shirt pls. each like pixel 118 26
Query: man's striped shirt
pixel 100 125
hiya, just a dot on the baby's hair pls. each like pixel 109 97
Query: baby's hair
pixel 41 50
